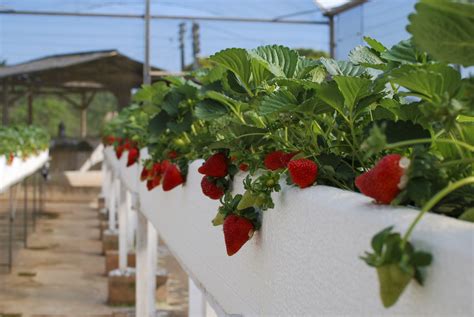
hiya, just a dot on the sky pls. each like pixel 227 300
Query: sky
pixel 24 38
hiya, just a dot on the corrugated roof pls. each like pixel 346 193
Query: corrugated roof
pixel 54 62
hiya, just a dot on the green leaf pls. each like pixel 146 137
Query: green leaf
pixel 468 215
pixel 305 66
pixel 158 123
pixel 237 60
pixel 208 109
pixel 362 55
pixel 420 258
pixel 430 82
pixel 398 131
pixel 280 60
pixel 330 94
pixel 404 52
pixel 353 89
pixel 342 68
pixel 280 100
pixel 374 44
pixel 445 29
pixel 379 239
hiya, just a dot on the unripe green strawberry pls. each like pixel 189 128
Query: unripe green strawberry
pixel 392 281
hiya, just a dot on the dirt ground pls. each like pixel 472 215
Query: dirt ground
pixel 61 272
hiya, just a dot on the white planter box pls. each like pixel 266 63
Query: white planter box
pixel 304 260
pixel 12 174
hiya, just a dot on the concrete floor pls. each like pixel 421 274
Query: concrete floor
pixel 61 273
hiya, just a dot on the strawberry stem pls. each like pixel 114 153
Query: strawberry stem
pixel 424 141
pixel 433 201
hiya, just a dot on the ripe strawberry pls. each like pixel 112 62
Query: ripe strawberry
pixel 237 231
pixel 286 158
pixel 273 160
pixel 108 140
pixel 133 155
pixel 119 151
pixel 303 172
pixel 156 169
pixel 385 180
pixel 172 177
pixel 211 189
pixel 244 167
pixel 215 166
pixel 127 145
pixel 172 155
pixel 10 158
pixel 145 174
pixel 153 182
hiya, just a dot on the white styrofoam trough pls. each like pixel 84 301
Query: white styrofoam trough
pixel 304 260
pixel 19 169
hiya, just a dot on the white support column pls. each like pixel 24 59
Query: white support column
pixel 123 227
pixel 146 268
pixel 131 219
pixel 105 192
pixel 197 301
pixel 151 265
pixel 113 202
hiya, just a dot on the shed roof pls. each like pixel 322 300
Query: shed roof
pixel 107 69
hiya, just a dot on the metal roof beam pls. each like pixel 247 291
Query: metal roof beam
pixel 160 17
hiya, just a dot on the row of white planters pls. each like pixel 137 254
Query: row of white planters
pixel 304 260
pixel 20 169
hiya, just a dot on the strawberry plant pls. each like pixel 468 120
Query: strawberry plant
pixel 394 123
pixel 22 141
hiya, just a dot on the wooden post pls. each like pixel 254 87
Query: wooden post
pixel 83 122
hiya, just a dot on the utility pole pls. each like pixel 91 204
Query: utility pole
pixel 146 64
pixel 182 31
pixel 196 45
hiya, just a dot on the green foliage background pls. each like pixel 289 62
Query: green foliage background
pixel 49 111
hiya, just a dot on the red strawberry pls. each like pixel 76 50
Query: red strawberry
pixel 172 177
pixel 215 166
pixel 133 155
pixel 286 158
pixel 119 151
pixel 145 173
pixel 244 167
pixel 127 144
pixel 303 172
pixel 10 158
pixel 156 169
pixel 152 183
pixel 172 155
pixel 211 189
pixel 273 160
pixel 164 166
pixel 385 180
pixel 237 231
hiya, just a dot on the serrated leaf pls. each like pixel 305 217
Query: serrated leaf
pixel 374 44
pixel 237 60
pixel 353 89
pixel 430 82
pixel 404 52
pixel 342 68
pixel 280 60
pixel 280 100
pixel 210 109
pixel 305 66
pixel 330 94
pixel 445 29
pixel 361 55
